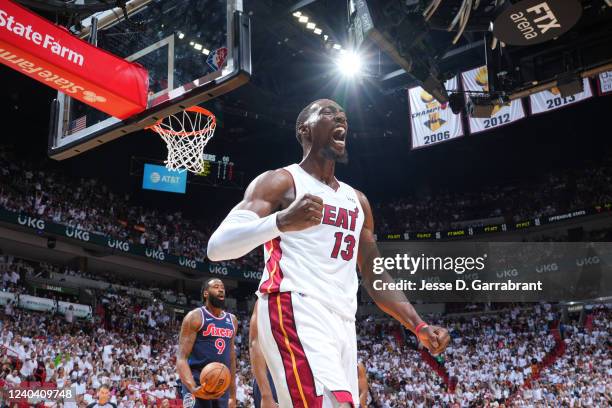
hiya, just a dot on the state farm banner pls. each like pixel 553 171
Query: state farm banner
pixel 477 80
pixel 431 121
pixel 52 55
pixel 551 99
pixel 604 82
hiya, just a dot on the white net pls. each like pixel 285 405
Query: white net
pixel 186 134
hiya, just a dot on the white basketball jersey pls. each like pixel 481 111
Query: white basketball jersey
pixel 320 261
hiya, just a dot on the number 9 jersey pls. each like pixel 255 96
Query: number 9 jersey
pixel 213 341
pixel 321 261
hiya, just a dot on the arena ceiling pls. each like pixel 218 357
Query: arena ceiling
pixel 292 67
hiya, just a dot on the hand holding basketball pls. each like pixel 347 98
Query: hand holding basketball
pixel 214 380
pixel 304 212
pixel 435 338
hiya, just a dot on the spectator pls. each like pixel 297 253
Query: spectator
pixel 104 397
pixel 69 315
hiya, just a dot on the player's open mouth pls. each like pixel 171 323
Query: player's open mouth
pixel 339 135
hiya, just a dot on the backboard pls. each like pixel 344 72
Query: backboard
pixel 194 50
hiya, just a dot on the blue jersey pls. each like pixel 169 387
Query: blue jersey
pixel 213 341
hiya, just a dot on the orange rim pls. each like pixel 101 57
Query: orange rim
pixel 196 109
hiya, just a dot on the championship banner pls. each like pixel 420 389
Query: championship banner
pixel 604 81
pixel 52 55
pixel 431 121
pixel 551 99
pixel 477 80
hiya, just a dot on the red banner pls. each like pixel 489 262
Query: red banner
pixel 52 55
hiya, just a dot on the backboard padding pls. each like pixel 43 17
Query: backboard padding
pixel 176 41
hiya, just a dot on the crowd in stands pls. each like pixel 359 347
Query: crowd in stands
pixel 582 374
pixel 52 196
pixel 548 194
pixel 130 344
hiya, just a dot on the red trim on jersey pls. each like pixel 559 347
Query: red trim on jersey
pixel 343 396
pixel 275 273
pixel 203 318
pixel 300 381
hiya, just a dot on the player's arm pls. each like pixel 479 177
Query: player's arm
pixel 394 303
pixel 258 362
pixel 257 219
pixel 363 385
pixel 232 386
pixel 189 329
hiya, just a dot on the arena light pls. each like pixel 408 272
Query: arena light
pixel 349 64
pixel 318 31
pixel 303 19
pixel 325 37
pixel 337 47
pixel 198 46
pixel 181 35
pixel 205 51
pixel 297 14
pixel 311 26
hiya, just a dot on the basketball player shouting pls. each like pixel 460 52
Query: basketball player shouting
pixel 315 229
pixel 207 335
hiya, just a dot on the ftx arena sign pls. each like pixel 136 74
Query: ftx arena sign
pixel 536 21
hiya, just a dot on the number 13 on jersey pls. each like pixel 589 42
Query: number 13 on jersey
pixel 349 248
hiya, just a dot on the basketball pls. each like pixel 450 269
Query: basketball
pixel 215 378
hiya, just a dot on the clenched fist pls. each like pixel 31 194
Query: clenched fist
pixel 305 212
pixel 435 338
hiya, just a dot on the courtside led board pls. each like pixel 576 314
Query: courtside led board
pixel 193 51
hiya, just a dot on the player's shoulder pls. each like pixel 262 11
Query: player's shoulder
pixel 280 175
pixel 363 200
pixel 194 318
pixel 277 179
pixel 195 311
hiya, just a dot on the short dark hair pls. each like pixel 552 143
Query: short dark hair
pixel 302 118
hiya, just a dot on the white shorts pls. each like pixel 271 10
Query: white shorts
pixel 311 351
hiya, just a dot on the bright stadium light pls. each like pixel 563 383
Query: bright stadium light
pixel 337 47
pixel 205 51
pixel 197 46
pixel 318 31
pixel 349 64
pixel 297 14
pixel 311 26
pixel 303 19
pixel 181 35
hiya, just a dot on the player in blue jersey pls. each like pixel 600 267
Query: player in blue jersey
pixel 207 335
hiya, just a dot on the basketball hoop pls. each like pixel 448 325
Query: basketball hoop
pixel 186 134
